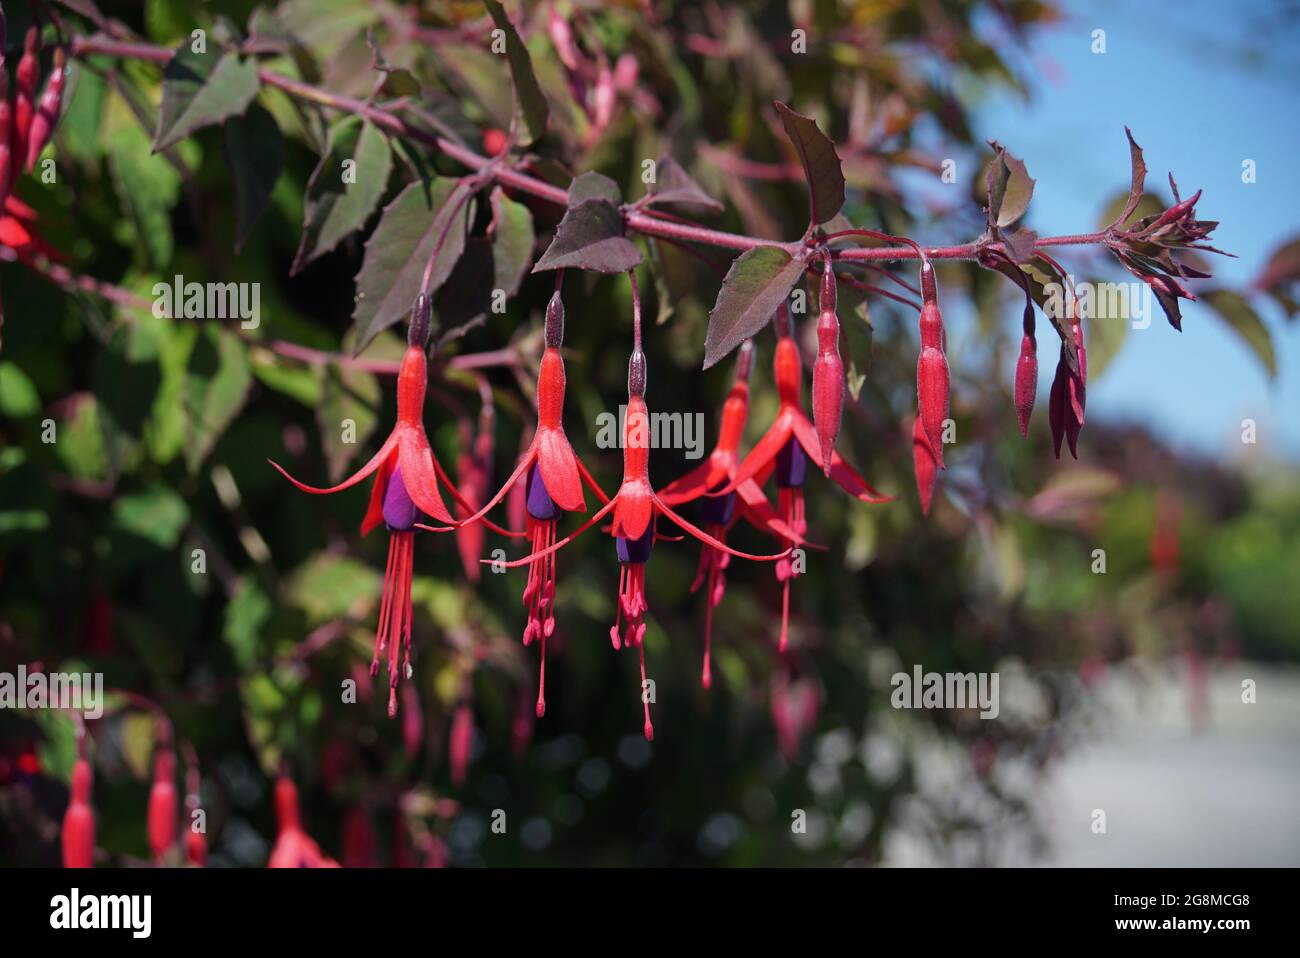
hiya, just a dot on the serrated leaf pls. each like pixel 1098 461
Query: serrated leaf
pixel 530 104
pixel 821 164
pixel 590 237
pixel 255 154
pixel 757 283
pixel 1241 318
pixel 217 384
pixel 202 89
pixel 673 186
pixel 347 396
pixel 1138 178
pixel 345 188
pixel 398 251
pixel 594 186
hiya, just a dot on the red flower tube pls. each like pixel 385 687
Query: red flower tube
pixel 162 805
pixel 78 833
pixel 635 509
pixel 784 451
pixel 553 477
pixel 406 484
pixel 294 848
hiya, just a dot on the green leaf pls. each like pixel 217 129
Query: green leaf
pixel 1242 319
pixel 512 242
pixel 18 397
pixel 400 248
pixel 757 283
pixel 247 613
pixel 344 189
pixel 530 104
pixel 157 515
pixel 147 187
pixel 328 586
pixel 202 89
pixel 348 401
pixel 673 186
pixel 217 385
pixel 255 153
pixel 590 237
pixel 821 164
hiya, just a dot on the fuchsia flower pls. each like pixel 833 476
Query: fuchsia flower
pixel 784 451
pixel 406 485
pixel 1069 391
pixel 553 477
pixel 294 848
pixel 162 804
pixel 720 513
pixel 635 509
pixel 78 831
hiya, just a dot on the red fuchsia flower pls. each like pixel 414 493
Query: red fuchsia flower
pixel 828 371
pixel 783 454
pixel 406 485
pixel 78 832
pixel 553 477
pixel 294 848
pixel 1069 391
pixel 461 743
pixel 360 846
pixel 720 513
pixel 1026 382
pixel 795 703
pixel 924 464
pixel 196 842
pixel 636 508
pixel 162 805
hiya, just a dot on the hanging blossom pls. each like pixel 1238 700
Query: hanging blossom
pixel 294 848
pixel 406 484
pixel 720 513
pixel 553 477
pixel 783 453
pixel 162 804
pixel 78 832
pixel 635 508
pixel 26 126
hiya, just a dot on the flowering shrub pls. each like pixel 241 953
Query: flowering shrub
pixel 500 163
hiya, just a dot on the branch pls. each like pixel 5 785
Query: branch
pixel 508 176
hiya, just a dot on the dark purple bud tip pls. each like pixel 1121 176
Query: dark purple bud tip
pixel 540 504
pixel 421 321
pixel 929 291
pixel 636 550
pixel 555 321
pixel 791 465
pixel 745 361
pixel 400 512
pixel 718 509
pixel 636 374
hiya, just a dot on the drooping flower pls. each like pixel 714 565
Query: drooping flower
pixel 78 833
pixel 553 477
pixel 461 743
pixel 162 804
pixel 294 848
pixel 783 453
pixel 359 845
pixel 1069 391
pixel 636 508
pixel 720 513
pixel 932 365
pixel 406 484
pixel 828 370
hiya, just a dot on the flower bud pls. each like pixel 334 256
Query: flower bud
pixel 47 114
pixel 636 374
pixel 932 397
pixel 26 76
pixel 462 739
pixel 828 386
pixel 554 326
pixel 162 804
pixel 1026 381
pixel 78 833
pixel 924 464
pixel 1057 402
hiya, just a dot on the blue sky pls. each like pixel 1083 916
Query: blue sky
pixel 1203 85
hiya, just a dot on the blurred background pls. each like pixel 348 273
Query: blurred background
pixel 1121 691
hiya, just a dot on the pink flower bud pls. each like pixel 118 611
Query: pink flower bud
pixel 828 373
pixel 162 804
pixel 47 114
pixel 78 832
pixel 932 397
pixel 462 738
pixel 1026 381
pixel 1057 404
